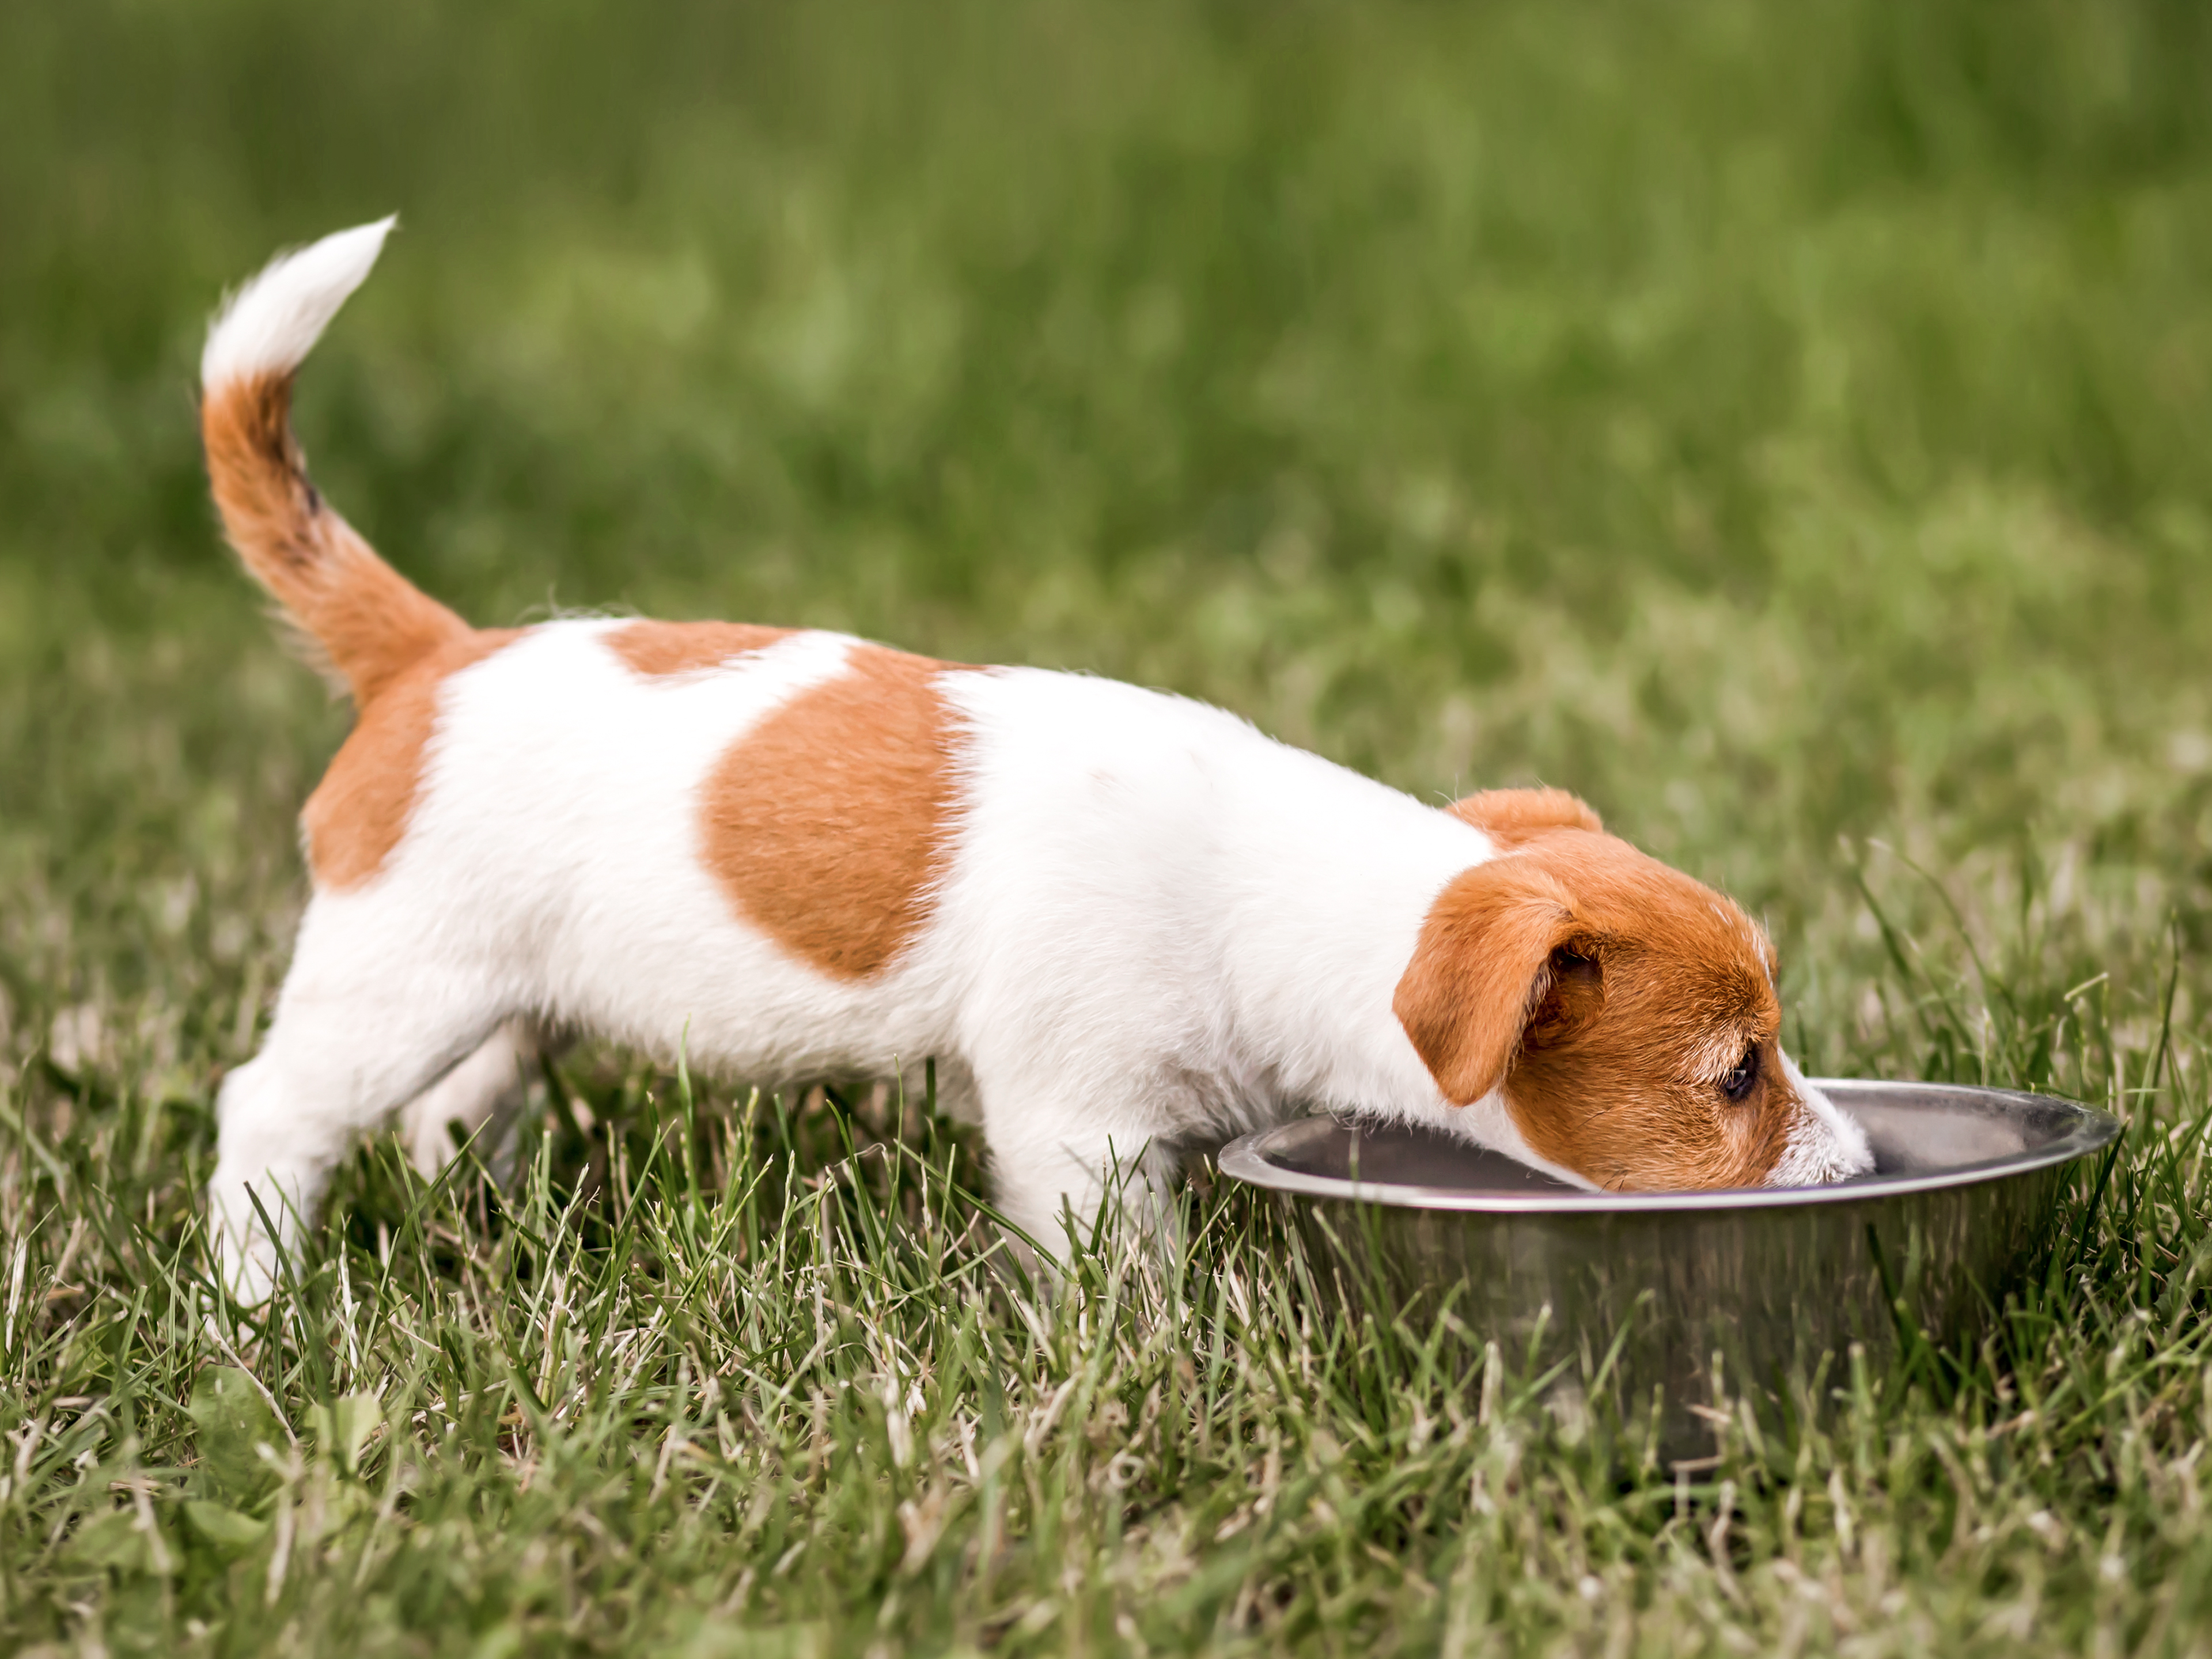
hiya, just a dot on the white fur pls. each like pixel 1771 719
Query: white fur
pixel 1826 1145
pixel 270 325
pixel 481 1097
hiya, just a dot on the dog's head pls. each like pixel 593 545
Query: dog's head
pixel 1627 1013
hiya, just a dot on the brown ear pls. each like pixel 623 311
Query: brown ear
pixel 1509 817
pixel 1482 970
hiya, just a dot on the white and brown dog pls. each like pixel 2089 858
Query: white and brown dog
pixel 1119 921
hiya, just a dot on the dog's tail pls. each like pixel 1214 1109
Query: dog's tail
pixel 365 618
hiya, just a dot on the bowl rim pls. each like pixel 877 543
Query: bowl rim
pixel 1246 1159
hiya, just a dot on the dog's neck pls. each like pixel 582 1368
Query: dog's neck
pixel 1315 941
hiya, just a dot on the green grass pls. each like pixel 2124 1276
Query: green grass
pixel 1786 425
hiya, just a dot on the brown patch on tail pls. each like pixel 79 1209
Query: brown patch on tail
pixel 360 810
pixel 369 619
pixel 828 824
pixel 658 648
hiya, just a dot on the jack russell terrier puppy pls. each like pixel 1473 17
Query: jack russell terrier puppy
pixel 1120 921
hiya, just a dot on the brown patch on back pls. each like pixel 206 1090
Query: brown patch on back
pixel 360 810
pixel 1509 817
pixel 1609 995
pixel 656 648
pixel 828 824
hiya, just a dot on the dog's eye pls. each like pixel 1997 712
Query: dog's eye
pixel 1737 1083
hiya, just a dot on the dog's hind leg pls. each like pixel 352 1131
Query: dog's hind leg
pixel 481 1097
pixel 363 1026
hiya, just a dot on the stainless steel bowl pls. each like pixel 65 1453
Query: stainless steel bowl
pixel 1672 1318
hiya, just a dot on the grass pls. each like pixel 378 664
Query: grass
pixel 1786 427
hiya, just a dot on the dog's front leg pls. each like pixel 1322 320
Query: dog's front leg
pixel 1069 1180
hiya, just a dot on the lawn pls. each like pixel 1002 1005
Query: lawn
pixel 1790 426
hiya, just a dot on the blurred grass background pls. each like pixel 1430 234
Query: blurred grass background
pixel 1786 425
pixel 1775 425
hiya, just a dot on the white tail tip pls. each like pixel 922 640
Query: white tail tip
pixel 270 325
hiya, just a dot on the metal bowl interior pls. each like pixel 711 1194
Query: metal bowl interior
pixel 1675 1317
pixel 1925 1136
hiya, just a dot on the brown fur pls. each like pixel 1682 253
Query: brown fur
pixel 828 824
pixel 359 811
pixel 370 621
pixel 1609 995
pixel 656 648
pixel 1509 817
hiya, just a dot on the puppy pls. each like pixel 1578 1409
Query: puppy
pixel 1119 921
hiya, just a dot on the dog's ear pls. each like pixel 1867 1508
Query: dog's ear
pixel 1501 960
pixel 1509 817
